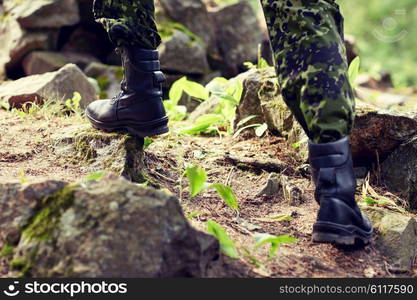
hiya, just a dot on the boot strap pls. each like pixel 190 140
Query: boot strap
pixel 327 175
pixel 158 77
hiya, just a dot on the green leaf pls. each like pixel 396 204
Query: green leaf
pixel 245 120
pixel 262 63
pixel 197 178
pixel 195 90
pixel 175 112
pixel 354 70
pixel 202 124
pixel 244 128
pixel 273 219
pixel 296 145
pixel 4 105
pixel 237 94
pixel 176 90
pixel 226 193
pixel 194 214
pixel 275 241
pixel 147 142
pixel 217 85
pixel 370 201
pixel 226 244
pixel 260 131
pixel 229 98
pixel 250 65
pixel 94 176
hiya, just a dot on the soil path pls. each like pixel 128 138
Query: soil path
pixel 26 156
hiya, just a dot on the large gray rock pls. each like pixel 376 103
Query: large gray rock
pixel 377 133
pixel 39 62
pixel 44 13
pixel 181 54
pixel 16 43
pixel 95 150
pixel 399 171
pixel 192 14
pixel 110 228
pixel 397 236
pixel 238 34
pixel 262 97
pixel 59 86
pixel 16 213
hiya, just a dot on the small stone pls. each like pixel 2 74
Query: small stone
pixel 272 186
pixel 369 272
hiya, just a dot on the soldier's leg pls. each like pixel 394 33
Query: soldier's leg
pixel 129 22
pixel 307 38
pixel 138 108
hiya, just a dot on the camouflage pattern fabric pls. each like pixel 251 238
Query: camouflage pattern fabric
pixel 310 59
pixel 310 56
pixel 128 22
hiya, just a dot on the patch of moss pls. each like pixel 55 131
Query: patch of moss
pixel 166 30
pixel 42 224
pixel 85 151
pixel 103 83
pixel 118 72
pixel 18 263
pixel 7 250
pixel 143 178
pixel 24 264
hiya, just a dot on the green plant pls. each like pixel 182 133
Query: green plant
pixel 73 105
pixel 94 176
pixel 261 64
pixel 194 214
pixel 197 178
pixel 49 108
pixel 275 241
pixel 4 105
pixel 147 142
pixel 220 121
pixel 354 70
pixel 226 244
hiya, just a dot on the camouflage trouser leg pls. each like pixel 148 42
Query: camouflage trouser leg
pixel 129 22
pixel 310 59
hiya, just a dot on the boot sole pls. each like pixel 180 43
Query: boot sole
pixel 142 130
pixel 343 235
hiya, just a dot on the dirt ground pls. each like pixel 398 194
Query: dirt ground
pixel 26 156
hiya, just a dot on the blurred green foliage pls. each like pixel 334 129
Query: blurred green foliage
pixel 386 34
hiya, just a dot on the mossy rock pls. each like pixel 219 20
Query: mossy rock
pixel 110 228
pixel 95 150
pixel 396 236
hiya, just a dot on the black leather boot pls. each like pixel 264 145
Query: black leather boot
pixel 138 108
pixel 339 220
